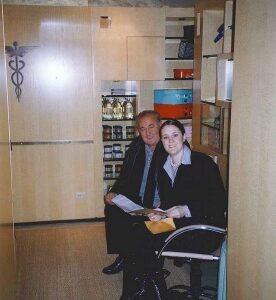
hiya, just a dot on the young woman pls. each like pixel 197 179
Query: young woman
pixel 190 187
pixel 191 191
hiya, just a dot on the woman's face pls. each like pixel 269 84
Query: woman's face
pixel 172 139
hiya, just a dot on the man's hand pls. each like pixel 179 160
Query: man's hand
pixel 108 198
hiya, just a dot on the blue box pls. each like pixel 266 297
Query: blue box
pixel 173 96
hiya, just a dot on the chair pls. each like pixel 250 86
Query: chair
pixel 195 290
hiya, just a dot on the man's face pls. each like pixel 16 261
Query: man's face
pixel 148 128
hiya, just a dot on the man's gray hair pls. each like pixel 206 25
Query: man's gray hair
pixel 148 113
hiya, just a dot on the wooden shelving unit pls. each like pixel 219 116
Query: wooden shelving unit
pixel 211 116
pixel 174 35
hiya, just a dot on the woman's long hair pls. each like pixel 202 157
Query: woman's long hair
pixel 177 124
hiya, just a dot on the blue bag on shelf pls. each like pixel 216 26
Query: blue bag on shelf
pixel 186 50
pixel 220 33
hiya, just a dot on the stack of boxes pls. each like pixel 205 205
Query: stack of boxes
pixel 173 103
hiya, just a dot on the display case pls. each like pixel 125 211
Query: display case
pixel 214 127
pixel 119 109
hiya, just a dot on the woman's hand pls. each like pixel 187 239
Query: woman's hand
pixel 176 212
pixel 154 217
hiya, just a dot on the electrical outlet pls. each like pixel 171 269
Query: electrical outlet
pixel 80 195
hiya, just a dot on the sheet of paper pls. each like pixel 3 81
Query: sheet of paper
pixel 130 207
pixel 125 203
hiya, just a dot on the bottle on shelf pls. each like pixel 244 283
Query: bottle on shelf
pixel 117 109
pixel 107 108
pixel 129 107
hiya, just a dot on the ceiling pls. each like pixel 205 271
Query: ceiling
pixel 122 3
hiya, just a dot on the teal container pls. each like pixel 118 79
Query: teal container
pixel 173 96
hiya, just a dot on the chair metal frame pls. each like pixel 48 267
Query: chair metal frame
pixel 195 290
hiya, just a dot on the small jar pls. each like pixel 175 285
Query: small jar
pixel 108 155
pixel 107 149
pixel 118 154
pixel 116 147
pixel 107 136
pixel 107 132
pixel 117 132
pixel 108 171
pixel 107 129
pixel 130 132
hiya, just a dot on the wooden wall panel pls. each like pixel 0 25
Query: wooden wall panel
pixel 252 192
pixel 146 57
pixel 145 21
pixel 56 101
pixel 7 259
pixel 110 44
pixel 46 178
pixel 98 150
pixel 61 97
pixel 56 104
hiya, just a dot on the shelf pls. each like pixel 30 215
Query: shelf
pixel 117 120
pixel 110 178
pixel 229 56
pixel 174 38
pixel 210 125
pixel 177 19
pixel 210 151
pixel 210 56
pixel 119 95
pixel 177 59
pixel 113 159
pixel 118 140
pixel 207 102
pixel 169 78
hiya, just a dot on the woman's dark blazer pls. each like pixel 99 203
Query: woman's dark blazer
pixel 200 187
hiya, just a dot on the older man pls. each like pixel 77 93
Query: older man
pixel 137 181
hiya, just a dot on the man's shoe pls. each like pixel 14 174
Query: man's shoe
pixel 115 267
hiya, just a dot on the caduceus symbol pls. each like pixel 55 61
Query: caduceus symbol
pixel 17 65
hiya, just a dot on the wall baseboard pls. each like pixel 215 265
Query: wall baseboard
pixel 90 220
